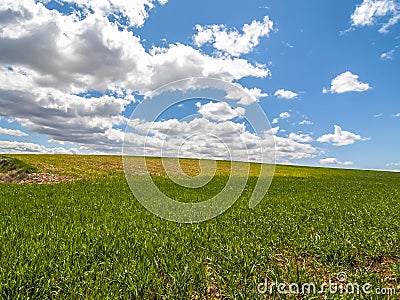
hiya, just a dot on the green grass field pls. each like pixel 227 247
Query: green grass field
pixel 90 239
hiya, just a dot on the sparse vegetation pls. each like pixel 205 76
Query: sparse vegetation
pixel 8 164
pixel 13 169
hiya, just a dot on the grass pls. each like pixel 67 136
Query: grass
pixel 90 239
pixel 13 169
pixel 9 164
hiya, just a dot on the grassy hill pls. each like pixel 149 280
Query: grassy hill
pixel 91 239
pixel 13 169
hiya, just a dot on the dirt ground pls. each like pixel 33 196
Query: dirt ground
pixel 40 178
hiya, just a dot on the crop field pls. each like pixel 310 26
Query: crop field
pixel 91 239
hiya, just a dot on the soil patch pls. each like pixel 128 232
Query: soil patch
pixel 40 178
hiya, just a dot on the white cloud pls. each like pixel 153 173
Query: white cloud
pixel 302 138
pixel 388 55
pixel 340 137
pixel 396 115
pixel 181 61
pixel 232 41
pixel 305 122
pixel 22 147
pixel 64 117
pixel 251 95
pixel 287 149
pixel 255 93
pixel 76 55
pixel 71 54
pixel 273 131
pixel 378 115
pixel 83 51
pixel 285 94
pixel 56 142
pixel 12 132
pixel 220 111
pixel 201 137
pixel 284 115
pixel 334 161
pixel 135 12
pixel 347 82
pixel 370 12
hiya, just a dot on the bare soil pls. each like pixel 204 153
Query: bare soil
pixel 40 178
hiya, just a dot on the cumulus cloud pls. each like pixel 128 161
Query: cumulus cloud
pixel 302 138
pixel 284 115
pixel 220 111
pixel 90 49
pixel 334 161
pixel 202 137
pixel 396 115
pixel 346 82
pixel 62 116
pixel 12 132
pixel 56 142
pixel 77 55
pixel 199 137
pixel 134 12
pixel 388 55
pixel 182 61
pixel 340 137
pixel 306 122
pixel 251 95
pixel 255 93
pixel 384 13
pixel 92 53
pixel 272 131
pixel 232 41
pixel 287 149
pixel 23 147
pixel 285 94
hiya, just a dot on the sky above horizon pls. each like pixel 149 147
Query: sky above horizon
pixel 325 73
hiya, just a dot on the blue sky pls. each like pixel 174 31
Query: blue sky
pixel 73 71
